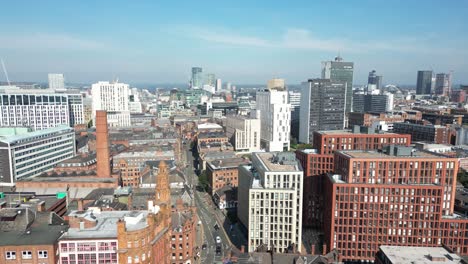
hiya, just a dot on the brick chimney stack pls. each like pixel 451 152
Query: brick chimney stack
pixel 102 145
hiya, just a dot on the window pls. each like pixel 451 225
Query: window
pixel 10 255
pixel 42 254
pixel 26 254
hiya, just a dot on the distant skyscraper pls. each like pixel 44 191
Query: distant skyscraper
pixel 322 107
pixel 210 79
pixel 378 103
pixel 228 86
pixel 443 84
pixel 275 116
pixel 340 71
pixel 375 79
pixel 197 78
pixel 219 85
pixel 276 83
pixel 56 81
pixel 424 82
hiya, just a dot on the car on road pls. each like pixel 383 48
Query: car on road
pixel 199 222
pixel 203 246
pixel 218 240
pixel 218 249
pixel 216 227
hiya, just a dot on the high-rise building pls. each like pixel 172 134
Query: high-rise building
pixel 270 201
pixel 210 79
pixel 378 103
pixel 40 108
pixel 295 102
pixel 318 161
pixel 443 84
pixel 25 153
pixel 276 83
pixel 275 116
pixel 323 104
pixel 228 86
pixel 56 81
pixel 424 82
pixel 197 78
pixel 113 97
pixel 244 133
pixel 219 85
pixel 340 71
pixel 375 79
pixel 399 196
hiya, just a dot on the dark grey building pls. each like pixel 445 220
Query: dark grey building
pixel 295 101
pixel 376 103
pixel 358 102
pixel 375 79
pixel 424 82
pixel 340 71
pixel 323 103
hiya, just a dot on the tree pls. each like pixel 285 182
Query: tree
pixel 203 180
pixel 463 178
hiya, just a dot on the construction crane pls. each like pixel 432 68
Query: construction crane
pixel 6 73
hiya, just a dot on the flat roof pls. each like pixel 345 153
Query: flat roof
pixel 228 163
pixel 270 165
pixel 420 255
pixel 106 223
pixel 373 154
pixel 350 132
pixel 209 126
pixel 57 129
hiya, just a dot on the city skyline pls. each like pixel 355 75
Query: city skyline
pixel 159 43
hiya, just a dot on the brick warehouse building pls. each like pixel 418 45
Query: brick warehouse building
pixel 318 161
pixel 400 197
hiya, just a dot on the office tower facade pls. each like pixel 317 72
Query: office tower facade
pixel 419 132
pixel 244 133
pixel 378 103
pixel 275 116
pixel 398 197
pixel 295 102
pixel 375 79
pixel 424 82
pixel 56 81
pixel 323 106
pixel 40 108
pixel 443 84
pixel 25 153
pixel 270 201
pixel 197 78
pixel 228 86
pixel 114 98
pixel 219 85
pixel 340 71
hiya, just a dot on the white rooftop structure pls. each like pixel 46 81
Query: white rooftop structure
pixel 419 255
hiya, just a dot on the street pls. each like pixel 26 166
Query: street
pixel 206 215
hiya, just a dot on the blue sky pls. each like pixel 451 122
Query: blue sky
pixel 239 41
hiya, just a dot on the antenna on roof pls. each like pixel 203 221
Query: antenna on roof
pixel 6 73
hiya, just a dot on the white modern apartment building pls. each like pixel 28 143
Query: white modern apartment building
pixel 26 153
pixel 270 201
pixel 40 108
pixel 275 116
pixel 113 97
pixel 56 81
pixel 244 133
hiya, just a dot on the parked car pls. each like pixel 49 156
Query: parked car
pixel 218 240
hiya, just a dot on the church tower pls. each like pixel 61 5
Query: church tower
pixel 163 192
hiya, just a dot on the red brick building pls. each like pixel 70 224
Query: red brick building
pixel 400 197
pixel 319 161
pixel 29 237
pixel 223 172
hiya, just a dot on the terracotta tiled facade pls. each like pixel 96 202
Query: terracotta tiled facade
pixel 320 161
pixel 377 199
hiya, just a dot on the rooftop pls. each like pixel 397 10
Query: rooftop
pixel 419 255
pixel 350 132
pixel 278 161
pixel 227 163
pixel 106 223
pixel 209 126
pixel 16 137
pixel 373 154
pixel 23 226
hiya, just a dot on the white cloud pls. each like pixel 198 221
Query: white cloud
pixel 48 41
pixel 303 39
